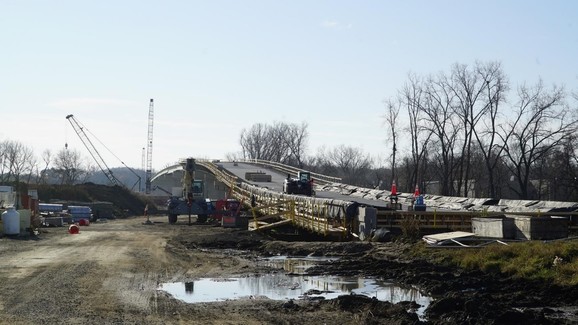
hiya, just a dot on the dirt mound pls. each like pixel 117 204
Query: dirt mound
pixel 126 203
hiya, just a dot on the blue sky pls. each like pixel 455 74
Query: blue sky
pixel 217 67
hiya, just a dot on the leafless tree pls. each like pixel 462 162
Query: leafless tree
pixel 234 156
pixel 17 160
pixel 351 163
pixel 320 162
pixel 3 160
pixel 412 96
pixel 296 139
pixel 392 109
pixel 468 86
pixel 47 159
pixel 495 88
pixel 542 123
pixel 441 122
pixel 68 164
pixel 280 142
pixel 253 141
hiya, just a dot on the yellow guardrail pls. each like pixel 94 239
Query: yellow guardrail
pixel 319 178
pixel 322 216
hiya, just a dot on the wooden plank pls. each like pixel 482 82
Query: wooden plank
pixel 253 226
pixel 438 238
pixel 272 225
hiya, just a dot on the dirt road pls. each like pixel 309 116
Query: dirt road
pixel 110 273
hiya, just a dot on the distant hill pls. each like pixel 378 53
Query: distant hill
pixel 123 174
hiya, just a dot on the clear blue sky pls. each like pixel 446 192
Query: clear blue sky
pixel 216 67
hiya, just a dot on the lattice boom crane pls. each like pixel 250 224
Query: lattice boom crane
pixel 149 149
pixel 92 150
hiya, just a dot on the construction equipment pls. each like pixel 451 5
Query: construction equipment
pixel 96 155
pixel 193 200
pixel 156 187
pixel 149 149
pixel 303 184
pixel 92 150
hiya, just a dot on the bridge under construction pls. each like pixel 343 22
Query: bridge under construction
pixel 343 212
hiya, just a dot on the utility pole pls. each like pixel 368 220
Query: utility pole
pixel 149 166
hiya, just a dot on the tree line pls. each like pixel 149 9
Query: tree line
pixel 475 136
pixel 470 134
pixel 466 132
pixel 18 164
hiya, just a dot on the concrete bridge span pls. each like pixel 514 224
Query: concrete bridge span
pixel 337 209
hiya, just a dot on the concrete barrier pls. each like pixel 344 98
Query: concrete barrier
pixel 257 177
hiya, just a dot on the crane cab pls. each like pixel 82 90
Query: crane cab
pixel 197 188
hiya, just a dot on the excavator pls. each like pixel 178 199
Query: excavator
pixel 193 201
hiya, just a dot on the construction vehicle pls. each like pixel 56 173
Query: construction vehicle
pixel 303 184
pixel 80 131
pixel 193 200
pixel 92 150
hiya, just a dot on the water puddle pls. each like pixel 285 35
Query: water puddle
pixel 292 284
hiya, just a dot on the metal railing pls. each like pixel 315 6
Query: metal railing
pixel 334 217
pixel 319 178
pixel 323 216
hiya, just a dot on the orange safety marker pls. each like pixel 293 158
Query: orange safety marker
pixel 73 229
pixel 416 192
pixel 393 196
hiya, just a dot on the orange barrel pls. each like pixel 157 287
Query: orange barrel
pixel 73 229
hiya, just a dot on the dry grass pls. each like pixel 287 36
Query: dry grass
pixel 555 261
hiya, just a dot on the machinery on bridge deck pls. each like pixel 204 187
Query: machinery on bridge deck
pixel 303 184
pixel 193 201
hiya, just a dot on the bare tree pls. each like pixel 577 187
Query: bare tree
pixel 440 120
pixel 19 160
pixel 296 139
pixel 468 87
pixel 280 142
pixel 253 141
pixel 68 164
pixel 4 164
pixel 233 156
pixel 412 97
pixel 43 174
pixel 351 163
pixel 320 163
pixel 276 144
pixel 392 109
pixel 496 86
pixel 542 124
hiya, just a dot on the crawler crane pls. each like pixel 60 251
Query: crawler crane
pixel 96 155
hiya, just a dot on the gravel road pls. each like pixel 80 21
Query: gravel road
pixel 110 273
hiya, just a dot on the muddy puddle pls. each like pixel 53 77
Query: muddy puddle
pixel 291 283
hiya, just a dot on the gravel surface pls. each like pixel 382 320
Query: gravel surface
pixel 110 273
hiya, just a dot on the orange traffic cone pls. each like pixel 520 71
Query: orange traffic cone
pixel 416 192
pixel 393 196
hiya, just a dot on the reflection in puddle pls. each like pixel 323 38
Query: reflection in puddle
pixel 282 286
pixel 294 265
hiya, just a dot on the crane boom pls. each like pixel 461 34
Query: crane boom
pixel 149 149
pixel 92 150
